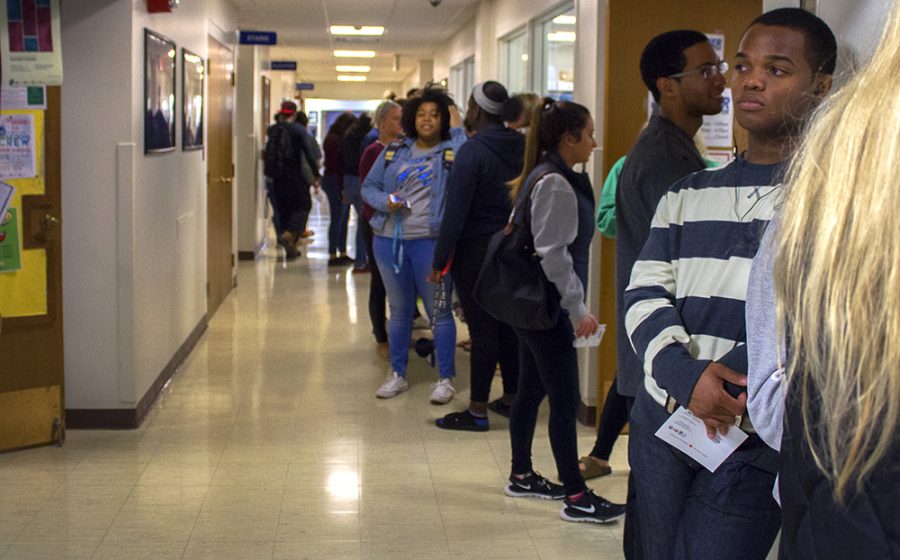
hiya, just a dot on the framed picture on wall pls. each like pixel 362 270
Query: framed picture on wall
pixel 159 93
pixel 193 74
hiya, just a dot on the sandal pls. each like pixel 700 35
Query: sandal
pixel 593 469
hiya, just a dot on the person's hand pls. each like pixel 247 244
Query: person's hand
pixel 587 326
pixel 394 206
pixel 456 120
pixel 712 404
pixel 435 276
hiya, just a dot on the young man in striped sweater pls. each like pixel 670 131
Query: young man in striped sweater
pixel 685 307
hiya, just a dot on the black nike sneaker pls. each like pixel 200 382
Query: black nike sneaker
pixel 591 508
pixel 534 486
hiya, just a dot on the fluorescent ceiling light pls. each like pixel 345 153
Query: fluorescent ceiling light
pixel 370 30
pixel 351 78
pixel 354 54
pixel 561 37
pixel 342 68
pixel 565 19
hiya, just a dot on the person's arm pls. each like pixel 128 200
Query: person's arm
pixel 606 211
pixel 554 225
pixel 460 192
pixel 660 339
pixel 766 350
pixel 374 191
pixel 307 151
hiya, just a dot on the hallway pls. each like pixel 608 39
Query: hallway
pixel 269 443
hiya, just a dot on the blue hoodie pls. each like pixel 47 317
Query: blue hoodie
pixel 382 181
pixel 478 202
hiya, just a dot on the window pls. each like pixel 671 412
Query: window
pixel 555 46
pixel 462 80
pixel 514 62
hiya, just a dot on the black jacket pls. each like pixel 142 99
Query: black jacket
pixel 814 526
pixel 478 202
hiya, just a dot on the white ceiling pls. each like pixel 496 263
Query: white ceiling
pixel 413 29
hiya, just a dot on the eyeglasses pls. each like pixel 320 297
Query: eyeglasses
pixel 707 71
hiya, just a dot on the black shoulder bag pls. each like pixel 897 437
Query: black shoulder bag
pixel 512 286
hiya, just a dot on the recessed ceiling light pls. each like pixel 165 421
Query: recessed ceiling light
pixel 354 54
pixel 565 19
pixel 371 30
pixel 351 78
pixel 341 68
pixel 561 37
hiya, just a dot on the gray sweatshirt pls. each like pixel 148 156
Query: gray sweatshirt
pixel 765 346
pixel 554 225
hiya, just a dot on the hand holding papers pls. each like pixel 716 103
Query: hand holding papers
pixel 687 433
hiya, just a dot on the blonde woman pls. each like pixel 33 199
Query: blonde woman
pixel 837 298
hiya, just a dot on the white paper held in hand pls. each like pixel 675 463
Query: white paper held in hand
pixel 687 433
pixel 590 341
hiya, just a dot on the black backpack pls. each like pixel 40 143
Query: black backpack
pixel 279 151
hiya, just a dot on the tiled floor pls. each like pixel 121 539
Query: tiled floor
pixel 270 444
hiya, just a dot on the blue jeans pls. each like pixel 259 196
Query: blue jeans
pixel 337 228
pixel 353 191
pixel 685 512
pixel 402 288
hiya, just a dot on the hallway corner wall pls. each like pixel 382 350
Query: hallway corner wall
pixel 453 51
pixel 249 138
pixel 146 228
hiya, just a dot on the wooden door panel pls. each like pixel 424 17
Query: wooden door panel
pixel 220 174
pixel 31 334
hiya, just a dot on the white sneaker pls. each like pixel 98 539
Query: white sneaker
pixel 443 392
pixel 393 386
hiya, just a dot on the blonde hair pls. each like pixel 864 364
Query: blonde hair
pixel 837 273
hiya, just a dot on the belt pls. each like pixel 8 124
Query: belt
pixel 743 421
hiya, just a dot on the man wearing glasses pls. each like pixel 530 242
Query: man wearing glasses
pixel 686 79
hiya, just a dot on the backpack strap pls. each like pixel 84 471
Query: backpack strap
pixel 521 214
pixel 447 157
pixel 390 151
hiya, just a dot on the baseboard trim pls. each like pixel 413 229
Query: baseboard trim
pixel 587 415
pixel 256 253
pixel 132 418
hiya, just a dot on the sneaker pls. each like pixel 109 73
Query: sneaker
pixel 534 486
pixel 500 407
pixel 463 421
pixel 443 392
pixel 393 386
pixel 591 508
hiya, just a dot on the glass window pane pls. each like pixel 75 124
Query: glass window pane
pixel 558 55
pixel 514 62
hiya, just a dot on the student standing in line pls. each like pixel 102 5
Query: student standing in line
pixel 389 127
pixel 685 307
pixel 332 183
pixel 478 206
pixel 828 275
pixel 560 206
pixel 406 186
pixel 351 151
pixel 682 72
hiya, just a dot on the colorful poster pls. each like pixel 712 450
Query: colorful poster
pixel 718 130
pixel 23 97
pixel 10 249
pixel 17 147
pixel 717 40
pixel 6 196
pixel 30 50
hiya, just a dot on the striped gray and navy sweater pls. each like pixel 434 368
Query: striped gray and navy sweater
pixel 684 306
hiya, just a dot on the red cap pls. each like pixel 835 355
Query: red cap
pixel 288 108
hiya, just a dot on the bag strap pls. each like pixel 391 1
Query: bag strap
pixel 523 200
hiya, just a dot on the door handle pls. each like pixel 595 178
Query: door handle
pixel 226 179
pixel 49 223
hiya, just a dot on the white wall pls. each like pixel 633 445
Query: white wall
pixel 456 49
pixel 134 255
pixel 248 182
pixel 857 26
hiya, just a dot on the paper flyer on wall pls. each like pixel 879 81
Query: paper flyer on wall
pixel 30 46
pixel 6 196
pixel 18 159
pixel 10 248
pixel 14 98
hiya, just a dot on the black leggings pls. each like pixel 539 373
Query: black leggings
pixel 377 293
pixel 548 367
pixel 612 420
pixel 492 341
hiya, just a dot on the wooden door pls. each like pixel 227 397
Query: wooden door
pixel 632 23
pixel 220 175
pixel 31 333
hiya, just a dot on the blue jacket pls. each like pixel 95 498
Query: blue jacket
pixel 382 181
